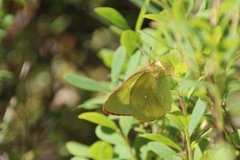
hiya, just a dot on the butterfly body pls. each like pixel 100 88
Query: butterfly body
pixel 145 95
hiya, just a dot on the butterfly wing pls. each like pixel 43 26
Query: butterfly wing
pixel 150 97
pixel 118 102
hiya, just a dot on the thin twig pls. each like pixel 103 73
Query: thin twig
pixel 213 18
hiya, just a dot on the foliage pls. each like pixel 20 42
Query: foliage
pixel 200 39
pixel 39 42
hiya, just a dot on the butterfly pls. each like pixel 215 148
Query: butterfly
pixel 145 95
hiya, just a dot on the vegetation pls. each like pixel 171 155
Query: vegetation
pixel 196 41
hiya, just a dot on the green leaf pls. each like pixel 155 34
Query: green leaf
pixel 176 119
pixel 112 16
pixel 109 135
pixel 107 56
pixel 130 40
pixel 60 24
pixel 98 119
pixel 163 151
pixel 140 146
pixel 235 137
pixel 78 158
pixel 78 149
pixel 151 8
pixel 197 113
pixel 162 139
pixel 93 103
pixel 154 17
pixel 4 74
pixel 133 63
pixel 118 61
pixel 126 124
pixel 101 150
pixel 197 153
pixel 13 155
pixel 123 152
pixel 200 148
pixel 214 36
pixel 86 83
pixel 220 151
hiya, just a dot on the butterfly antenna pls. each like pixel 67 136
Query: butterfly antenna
pixel 143 51
pixel 148 55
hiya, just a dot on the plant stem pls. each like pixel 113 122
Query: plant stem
pixel 216 110
pixel 128 144
pixel 140 16
pixel 187 138
pixel 188 144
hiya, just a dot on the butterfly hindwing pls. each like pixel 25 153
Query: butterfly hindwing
pixel 150 96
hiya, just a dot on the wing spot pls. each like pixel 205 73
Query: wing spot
pixel 145 97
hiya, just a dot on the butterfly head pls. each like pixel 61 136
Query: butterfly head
pixel 156 64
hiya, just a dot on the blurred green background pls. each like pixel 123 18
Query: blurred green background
pixel 40 40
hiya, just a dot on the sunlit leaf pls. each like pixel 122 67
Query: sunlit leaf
pixel 112 16
pixel 154 17
pixel 98 118
pixel 163 151
pixel 78 158
pixel 162 139
pixel 101 150
pixel 78 149
pixel 123 152
pixel 130 40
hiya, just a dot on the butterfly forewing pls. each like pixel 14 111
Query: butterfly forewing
pixel 118 102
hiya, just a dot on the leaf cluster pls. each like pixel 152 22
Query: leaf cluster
pixel 200 39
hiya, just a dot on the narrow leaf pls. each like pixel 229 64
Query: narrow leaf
pixel 133 63
pixel 98 119
pixel 163 151
pixel 154 17
pixel 86 83
pixel 162 139
pixel 93 103
pixel 176 119
pixel 118 61
pixel 112 16
pixel 197 113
